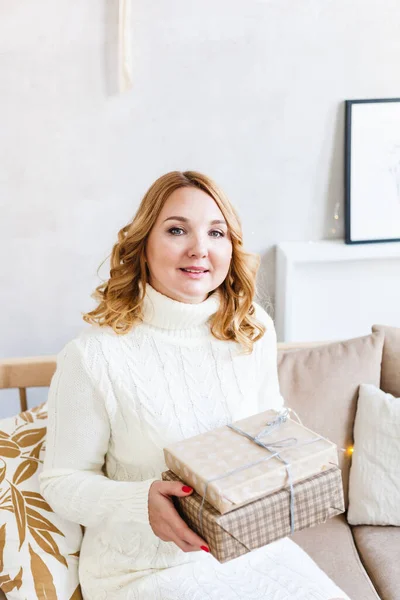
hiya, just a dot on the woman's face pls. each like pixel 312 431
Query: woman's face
pixel 189 248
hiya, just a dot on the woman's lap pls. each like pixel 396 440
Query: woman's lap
pixel 280 571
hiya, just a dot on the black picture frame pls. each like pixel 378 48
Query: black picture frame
pixel 365 119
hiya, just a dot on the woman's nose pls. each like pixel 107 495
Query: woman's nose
pixel 199 248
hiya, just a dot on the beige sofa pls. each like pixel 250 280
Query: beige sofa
pixel 320 382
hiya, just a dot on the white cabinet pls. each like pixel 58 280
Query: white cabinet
pixel 328 290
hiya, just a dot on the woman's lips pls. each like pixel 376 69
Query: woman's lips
pixel 193 275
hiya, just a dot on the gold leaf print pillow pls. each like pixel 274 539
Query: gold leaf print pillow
pixel 39 550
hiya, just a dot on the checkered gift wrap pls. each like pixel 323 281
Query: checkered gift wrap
pixel 265 520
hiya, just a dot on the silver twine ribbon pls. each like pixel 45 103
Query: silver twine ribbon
pixel 280 444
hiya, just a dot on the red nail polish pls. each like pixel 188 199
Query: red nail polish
pixel 205 548
pixel 186 488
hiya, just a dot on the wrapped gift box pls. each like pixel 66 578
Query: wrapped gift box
pixel 213 454
pixel 263 521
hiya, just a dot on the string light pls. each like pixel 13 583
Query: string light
pixel 335 217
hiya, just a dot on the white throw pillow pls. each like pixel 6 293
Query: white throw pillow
pixel 374 490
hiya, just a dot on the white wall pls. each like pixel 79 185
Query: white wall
pixel 250 92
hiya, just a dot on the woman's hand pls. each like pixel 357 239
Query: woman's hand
pixel 165 520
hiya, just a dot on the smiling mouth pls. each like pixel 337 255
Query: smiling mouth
pixel 196 271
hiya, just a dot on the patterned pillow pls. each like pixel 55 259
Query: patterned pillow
pixel 38 549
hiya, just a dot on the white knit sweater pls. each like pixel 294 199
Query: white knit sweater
pixel 115 402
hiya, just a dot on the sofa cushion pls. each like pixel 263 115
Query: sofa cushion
pixel 332 547
pixel 38 549
pixel 321 385
pixel 379 552
pixel 390 379
pixel 374 492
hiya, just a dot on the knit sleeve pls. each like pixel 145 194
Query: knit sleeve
pixel 269 390
pixel 78 436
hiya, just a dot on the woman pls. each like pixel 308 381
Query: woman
pixel 176 347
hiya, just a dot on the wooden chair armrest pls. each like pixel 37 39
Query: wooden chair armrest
pixel 31 371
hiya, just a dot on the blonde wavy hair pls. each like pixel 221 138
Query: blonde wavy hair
pixel 121 296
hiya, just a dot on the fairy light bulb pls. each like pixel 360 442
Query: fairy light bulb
pixel 335 217
pixel 349 450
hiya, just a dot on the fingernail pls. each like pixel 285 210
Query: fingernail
pixel 205 548
pixel 186 488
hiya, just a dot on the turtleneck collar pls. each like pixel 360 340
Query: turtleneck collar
pixel 165 313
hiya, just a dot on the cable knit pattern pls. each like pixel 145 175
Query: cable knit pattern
pixel 115 402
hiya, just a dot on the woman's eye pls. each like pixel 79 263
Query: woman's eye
pixel 215 231
pixel 175 230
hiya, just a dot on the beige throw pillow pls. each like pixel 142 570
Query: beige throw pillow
pixel 374 491
pixel 321 385
pixel 38 549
